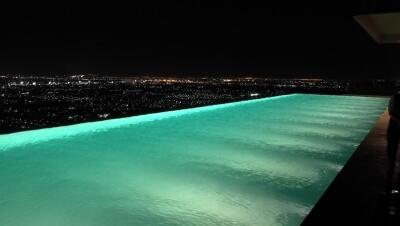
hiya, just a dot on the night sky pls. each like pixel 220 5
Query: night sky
pixel 199 39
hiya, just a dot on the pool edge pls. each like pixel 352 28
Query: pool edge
pixel 354 196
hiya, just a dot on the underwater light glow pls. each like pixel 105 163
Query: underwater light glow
pixel 258 162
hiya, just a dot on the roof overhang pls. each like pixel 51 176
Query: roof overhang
pixel 383 28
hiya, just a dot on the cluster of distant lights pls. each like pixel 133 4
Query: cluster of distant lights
pixel 82 79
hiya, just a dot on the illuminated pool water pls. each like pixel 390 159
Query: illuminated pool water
pixel 258 162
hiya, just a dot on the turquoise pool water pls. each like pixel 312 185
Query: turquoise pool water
pixel 258 162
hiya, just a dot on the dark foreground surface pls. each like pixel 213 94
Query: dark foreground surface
pixel 356 196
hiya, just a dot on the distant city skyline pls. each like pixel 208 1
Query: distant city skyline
pixel 32 102
pixel 190 76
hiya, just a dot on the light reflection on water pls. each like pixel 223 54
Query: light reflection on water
pixel 263 162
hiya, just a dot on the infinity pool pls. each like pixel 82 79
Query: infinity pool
pixel 258 162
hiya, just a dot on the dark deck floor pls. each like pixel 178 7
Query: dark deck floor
pixel 356 195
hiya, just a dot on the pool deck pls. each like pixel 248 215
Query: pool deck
pixel 355 197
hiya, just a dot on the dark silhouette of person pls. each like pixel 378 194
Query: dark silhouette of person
pixel 393 138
